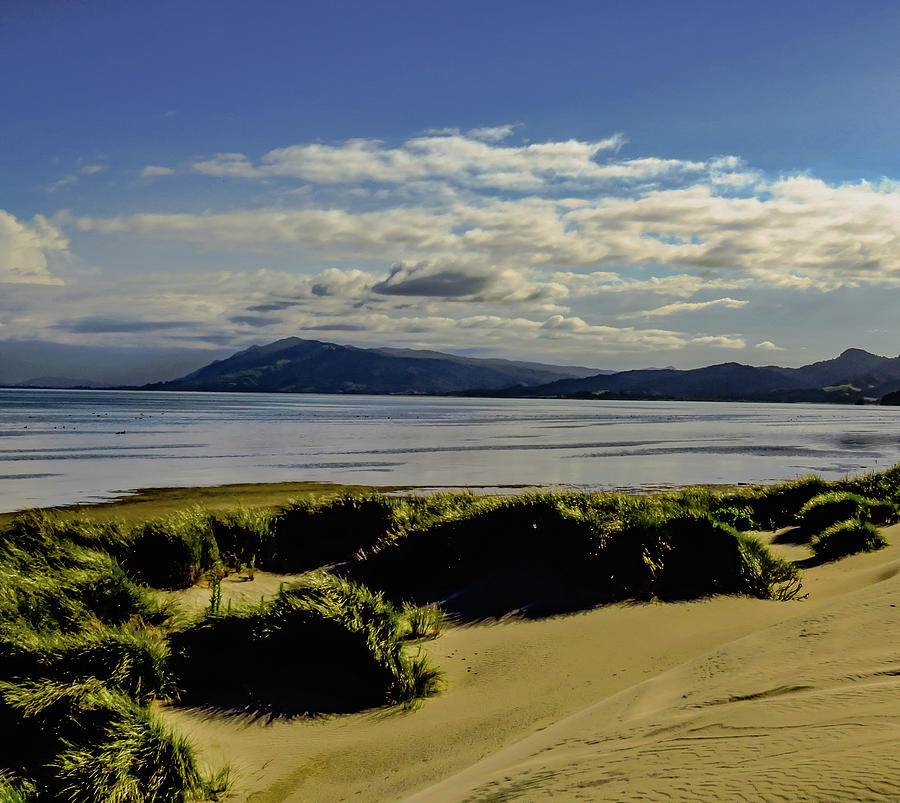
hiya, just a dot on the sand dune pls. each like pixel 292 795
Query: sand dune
pixel 725 698
pixel 807 709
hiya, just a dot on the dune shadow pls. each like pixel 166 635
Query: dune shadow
pixel 795 536
pixel 268 705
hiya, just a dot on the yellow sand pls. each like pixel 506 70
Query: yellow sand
pixel 723 699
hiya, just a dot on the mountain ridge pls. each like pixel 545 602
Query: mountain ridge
pixel 296 365
pixel 855 375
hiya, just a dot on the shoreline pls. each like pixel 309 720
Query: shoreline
pixel 139 502
pixel 159 500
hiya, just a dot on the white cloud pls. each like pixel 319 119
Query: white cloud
pixel 768 345
pixel 611 337
pixel 795 232
pixel 24 249
pixel 151 171
pixel 471 160
pixel 495 133
pixel 721 341
pixel 690 306
pixel 63 182
pixel 86 170
pixel 682 285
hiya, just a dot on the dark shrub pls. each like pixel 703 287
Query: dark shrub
pixel 423 564
pixel 688 557
pixel 326 645
pixel 245 537
pixel 311 534
pixel 173 552
pixel 883 511
pixel 69 598
pixel 847 538
pixel 776 506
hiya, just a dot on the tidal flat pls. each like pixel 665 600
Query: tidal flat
pixel 69 447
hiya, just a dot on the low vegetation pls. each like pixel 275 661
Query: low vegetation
pixel 847 538
pixel 325 645
pixel 827 509
pixel 81 656
pixel 86 646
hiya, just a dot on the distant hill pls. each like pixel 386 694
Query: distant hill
pixel 892 399
pixel 855 375
pixel 62 382
pixel 294 365
pixel 35 363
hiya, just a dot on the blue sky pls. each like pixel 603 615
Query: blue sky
pixel 609 183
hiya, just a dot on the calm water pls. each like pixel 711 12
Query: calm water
pixel 59 447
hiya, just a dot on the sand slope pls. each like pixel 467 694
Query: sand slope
pixel 724 698
pixel 808 709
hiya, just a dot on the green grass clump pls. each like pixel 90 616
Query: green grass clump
pixel 324 645
pixel 85 742
pixel 245 537
pixel 687 557
pixel 173 552
pixel 590 548
pixel 14 789
pixel 876 485
pixel 132 662
pixel 829 508
pixel 741 518
pixel 63 587
pixel 81 656
pixel 883 511
pixel 309 534
pixel 42 530
pixel 441 558
pixel 775 506
pixel 424 621
pixel 847 538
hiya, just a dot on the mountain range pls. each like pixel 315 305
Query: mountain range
pixel 854 376
pixel 293 365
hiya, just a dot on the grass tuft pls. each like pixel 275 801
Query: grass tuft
pixel 424 621
pixel 324 645
pixel 829 508
pixel 847 538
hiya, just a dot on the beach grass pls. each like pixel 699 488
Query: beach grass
pixel 847 538
pixel 87 646
pixel 324 645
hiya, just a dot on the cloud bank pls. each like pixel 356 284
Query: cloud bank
pixel 472 240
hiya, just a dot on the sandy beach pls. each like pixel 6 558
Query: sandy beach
pixel 728 698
